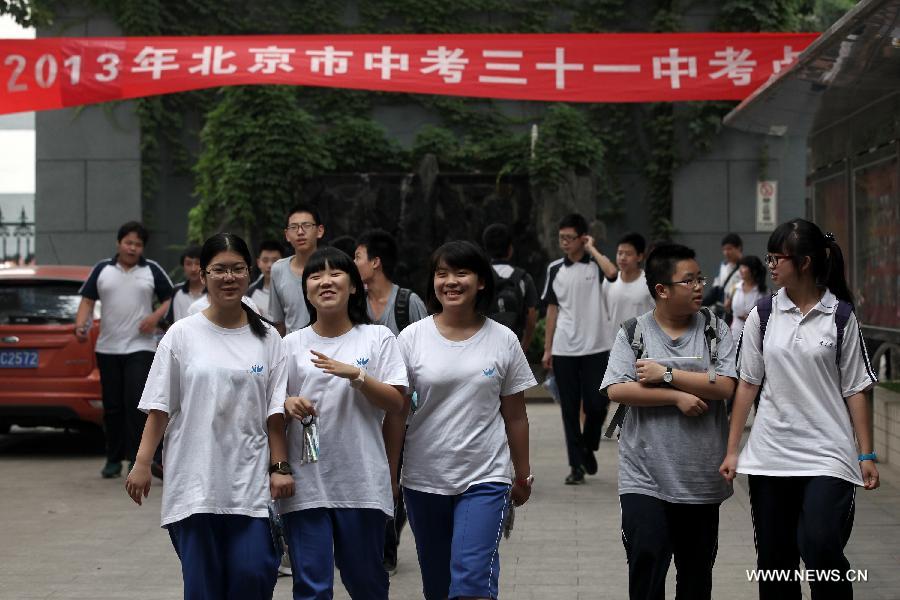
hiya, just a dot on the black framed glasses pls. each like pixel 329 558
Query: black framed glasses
pixel 693 282
pixel 305 226
pixel 772 260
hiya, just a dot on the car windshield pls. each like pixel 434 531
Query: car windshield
pixel 38 302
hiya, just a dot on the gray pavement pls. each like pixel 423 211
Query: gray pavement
pixel 67 533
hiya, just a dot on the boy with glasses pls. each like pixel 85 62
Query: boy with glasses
pixel 287 306
pixel 674 374
pixel 576 346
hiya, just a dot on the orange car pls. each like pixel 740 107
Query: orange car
pixel 47 377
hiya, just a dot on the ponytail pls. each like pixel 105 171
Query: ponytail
pixel 257 323
pixel 834 277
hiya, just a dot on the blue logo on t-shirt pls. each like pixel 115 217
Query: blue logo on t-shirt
pixel 256 369
pixel 488 372
pixel 362 362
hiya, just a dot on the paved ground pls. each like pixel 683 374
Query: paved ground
pixel 67 533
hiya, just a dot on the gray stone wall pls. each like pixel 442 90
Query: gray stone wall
pixel 88 167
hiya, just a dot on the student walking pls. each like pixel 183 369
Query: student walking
pixel 125 285
pixel 515 297
pixel 260 291
pixel 287 306
pixel 188 291
pixel 673 367
pixel 394 307
pixel 810 445
pixel 576 345
pixel 751 288
pixel 344 374
pixel 627 296
pixel 727 280
pixel 466 455
pixel 216 391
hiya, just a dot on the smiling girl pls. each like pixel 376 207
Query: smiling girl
pixel 216 390
pixel 466 451
pixel 346 374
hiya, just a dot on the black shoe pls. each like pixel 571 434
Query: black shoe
pixel 111 469
pixel 576 477
pixel 590 461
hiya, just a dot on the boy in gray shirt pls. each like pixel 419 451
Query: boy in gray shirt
pixel 674 435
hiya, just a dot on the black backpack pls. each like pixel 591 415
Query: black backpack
pixel 508 307
pixel 401 308
pixel 635 337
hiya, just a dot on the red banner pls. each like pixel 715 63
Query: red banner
pixel 53 73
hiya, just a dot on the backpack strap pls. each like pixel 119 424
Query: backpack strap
pixel 711 333
pixel 635 336
pixel 841 317
pixel 764 310
pixel 401 308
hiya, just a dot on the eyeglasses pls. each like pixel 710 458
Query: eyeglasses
pixel 692 282
pixel 237 271
pixel 772 260
pixel 568 238
pixel 294 227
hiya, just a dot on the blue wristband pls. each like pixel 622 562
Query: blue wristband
pixel 870 456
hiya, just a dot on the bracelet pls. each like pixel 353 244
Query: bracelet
pixel 869 456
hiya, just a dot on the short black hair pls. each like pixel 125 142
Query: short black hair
pixel 496 240
pixel 132 227
pixel 303 208
pixel 634 239
pixel 192 251
pixel 271 246
pixel 328 256
pixel 380 244
pixel 345 243
pixel 575 221
pixel 660 266
pixel 462 255
pixel 732 239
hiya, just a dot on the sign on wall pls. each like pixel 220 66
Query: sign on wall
pixel 50 73
pixel 766 205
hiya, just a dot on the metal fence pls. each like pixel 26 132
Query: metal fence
pixel 16 240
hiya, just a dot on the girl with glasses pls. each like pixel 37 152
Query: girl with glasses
pixel 810 445
pixel 216 390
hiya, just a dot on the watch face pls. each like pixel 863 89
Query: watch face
pixel 668 377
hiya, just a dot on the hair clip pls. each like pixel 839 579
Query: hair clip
pixel 830 236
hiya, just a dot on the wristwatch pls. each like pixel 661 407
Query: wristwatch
pixel 360 379
pixel 282 468
pixel 667 376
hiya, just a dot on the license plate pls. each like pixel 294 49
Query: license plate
pixel 18 359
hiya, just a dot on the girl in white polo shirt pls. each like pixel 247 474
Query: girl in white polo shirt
pixel 801 457
pixel 216 389
pixel 346 374
pixel 466 452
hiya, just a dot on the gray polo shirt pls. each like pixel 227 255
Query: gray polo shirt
pixel 286 302
pixel 662 452
pixel 388 318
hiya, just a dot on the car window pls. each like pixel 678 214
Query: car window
pixel 24 302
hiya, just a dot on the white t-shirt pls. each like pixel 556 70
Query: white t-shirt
pixel 352 471
pixel 259 293
pixel 625 301
pixel 575 287
pixel 218 387
pixel 741 304
pixel 802 426
pixel 126 298
pixel 182 300
pixel 202 303
pixel 457 436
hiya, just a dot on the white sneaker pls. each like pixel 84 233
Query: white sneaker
pixel 285 567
